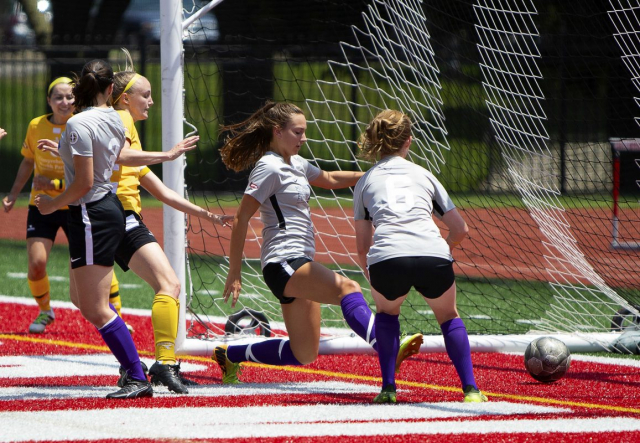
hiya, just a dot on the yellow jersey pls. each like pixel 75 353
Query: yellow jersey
pixel 44 163
pixel 128 186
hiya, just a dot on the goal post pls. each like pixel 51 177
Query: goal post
pixel 171 59
pixel 469 73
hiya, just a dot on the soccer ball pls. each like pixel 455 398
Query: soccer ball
pixel 547 359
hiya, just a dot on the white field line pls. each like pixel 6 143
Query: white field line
pixel 282 421
pixel 246 389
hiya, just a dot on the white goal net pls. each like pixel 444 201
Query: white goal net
pixel 501 117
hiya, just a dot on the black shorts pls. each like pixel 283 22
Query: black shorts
pixel 136 236
pixel 46 226
pixel 95 231
pixel 277 275
pixel 393 278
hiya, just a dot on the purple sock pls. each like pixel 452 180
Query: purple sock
pixel 359 317
pixel 113 308
pixel 388 335
pixel 118 338
pixel 456 341
pixel 275 352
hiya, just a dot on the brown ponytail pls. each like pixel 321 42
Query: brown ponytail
pixel 249 140
pixel 95 78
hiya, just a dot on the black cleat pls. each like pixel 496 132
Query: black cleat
pixel 123 374
pixel 132 389
pixel 170 376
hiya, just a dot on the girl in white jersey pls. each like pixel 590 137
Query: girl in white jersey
pixel 279 186
pixel 400 246
pixel 89 147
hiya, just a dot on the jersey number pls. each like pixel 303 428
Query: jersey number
pixel 114 144
pixel 399 193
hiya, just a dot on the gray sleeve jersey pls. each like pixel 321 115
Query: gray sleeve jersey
pixel 283 192
pixel 400 198
pixel 97 133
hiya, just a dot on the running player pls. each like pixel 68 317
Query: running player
pixel 93 140
pixel 398 198
pixel 139 250
pixel 279 187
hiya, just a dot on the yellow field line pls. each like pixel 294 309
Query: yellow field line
pixel 69 344
pixel 303 370
pixel 446 388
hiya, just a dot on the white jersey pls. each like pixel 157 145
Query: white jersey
pixel 283 192
pixel 400 197
pixel 97 133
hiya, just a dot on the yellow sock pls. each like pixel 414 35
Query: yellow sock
pixel 40 291
pixel 114 294
pixel 164 317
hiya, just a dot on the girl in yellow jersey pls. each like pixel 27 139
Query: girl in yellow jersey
pixel 140 251
pixel 48 178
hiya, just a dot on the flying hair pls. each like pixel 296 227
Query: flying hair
pixel 250 139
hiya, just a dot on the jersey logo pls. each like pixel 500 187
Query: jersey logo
pixel 252 185
pixel 73 137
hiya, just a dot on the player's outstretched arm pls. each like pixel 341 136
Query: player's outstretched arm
pixel 337 179
pixel 168 196
pixel 133 157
